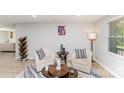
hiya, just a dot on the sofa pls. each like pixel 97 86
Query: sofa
pixel 83 64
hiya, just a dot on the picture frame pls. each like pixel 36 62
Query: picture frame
pixel 61 30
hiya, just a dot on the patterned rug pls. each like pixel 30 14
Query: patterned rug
pixel 30 72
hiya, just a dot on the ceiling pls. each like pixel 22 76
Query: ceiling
pixel 14 19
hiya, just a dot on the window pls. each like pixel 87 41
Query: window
pixel 116 36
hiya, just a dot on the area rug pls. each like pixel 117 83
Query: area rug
pixel 30 72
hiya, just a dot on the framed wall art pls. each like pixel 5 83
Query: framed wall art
pixel 61 30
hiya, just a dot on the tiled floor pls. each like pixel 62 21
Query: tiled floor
pixel 104 73
pixel 9 67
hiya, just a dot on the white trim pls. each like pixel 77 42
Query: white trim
pixel 107 41
pixel 113 73
pixel 106 38
pixel 115 55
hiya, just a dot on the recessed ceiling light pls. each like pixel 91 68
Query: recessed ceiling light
pixel 78 15
pixel 34 16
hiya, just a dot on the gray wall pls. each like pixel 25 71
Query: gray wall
pixel 112 62
pixel 45 35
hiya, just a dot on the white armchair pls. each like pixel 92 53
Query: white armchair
pixel 47 60
pixel 83 64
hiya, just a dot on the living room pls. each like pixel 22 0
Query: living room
pixel 61 46
pixel 43 32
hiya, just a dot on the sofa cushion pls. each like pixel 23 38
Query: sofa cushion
pixel 77 53
pixel 80 53
pixel 40 54
pixel 83 53
pixel 80 61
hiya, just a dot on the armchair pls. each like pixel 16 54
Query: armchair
pixel 82 64
pixel 47 60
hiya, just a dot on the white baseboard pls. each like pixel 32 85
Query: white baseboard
pixel 113 73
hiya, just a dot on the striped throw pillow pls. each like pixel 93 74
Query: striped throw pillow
pixel 80 53
pixel 40 54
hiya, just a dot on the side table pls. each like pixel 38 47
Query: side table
pixel 63 56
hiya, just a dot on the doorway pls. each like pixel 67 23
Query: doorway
pixel 7 41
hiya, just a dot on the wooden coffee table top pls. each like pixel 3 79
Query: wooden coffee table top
pixel 63 73
pixel 59 73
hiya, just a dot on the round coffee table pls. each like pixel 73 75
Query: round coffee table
pixel 58 73
pixel 65 72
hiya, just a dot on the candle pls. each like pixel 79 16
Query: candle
pixel 46 67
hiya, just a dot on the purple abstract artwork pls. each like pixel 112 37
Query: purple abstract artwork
pixel 61 30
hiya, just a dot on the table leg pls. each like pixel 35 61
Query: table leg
pixel 65 60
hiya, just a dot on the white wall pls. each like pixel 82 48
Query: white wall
pixel 45 35
pixel 113 63
pixel 5 33
pixel 7 27
pixel 4 36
